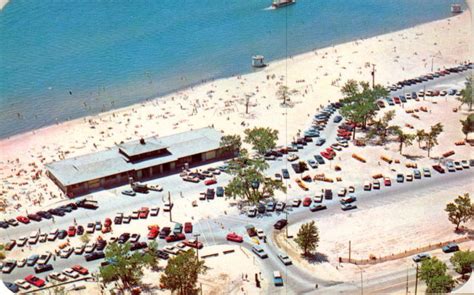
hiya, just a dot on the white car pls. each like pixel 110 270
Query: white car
pixel 296 203
pixel 292 157
pixel 90 247
pixel 127 219
pixel 344 144
pixel 34 236
pixel 342 192
pixel 351 189
pixel 21 262
pixel 43 238
pixel 336 147
pixel 367 186
pixel 260 233
pixel 457 165
pixel 280 206
pixel 318 198
pixel 23 284
pixel 78 250
pixel 58 276
pixel 376 184
pixel 21 241
pixel 252 212
pixel 171 250
pixel 426 172
pixel 53 234
pixel 154 211
pixel 465 164
pixel 71 273
pixel 135 214
pixel 285 259
pixel 167 206
pixel 66 252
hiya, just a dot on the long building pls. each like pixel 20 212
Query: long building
pixel 141 159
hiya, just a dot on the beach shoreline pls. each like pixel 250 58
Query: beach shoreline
pixel 315 77
pixel 3 3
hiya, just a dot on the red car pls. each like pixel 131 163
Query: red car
pixel 35 281
pixel 307 202
pixel 387 181
pixel 396 100
pixel 71 231
pixel 188 227
pixel 327 155
pixel 174 238
pixel 23 219
pixel 153 233
pixel 234 238
pixel 107 222
pixel 143 212
pixel 210 181
pixel 80 269
pixel 439 168
pixel 331 151
pixel 193 244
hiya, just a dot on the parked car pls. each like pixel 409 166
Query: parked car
pixel 188 227
pixel 175 237
pixel 346 207
pixel 234 238
pixel 23 219
pixel 317 207
pixel 270 207
pixel 280 224
pixel 259 252
pixel 71 273
pixel 252 211
pixel 34 217
pixel 79 249
pixel 387 181
pixel 130 193
pixel 43 268
pixel 367 186
pixel 123 238
pixel 306 202
pixel 348 200
pixel 57 277
pixel 420 257
pixel 219 191
pixel 417 174
pixel 8 266
pixel 31 261
pixel 71 231
pixel 451 247
pixel 438 169
pixel 319 159
pixel 66 252
pixel 165 231
pixel 296 203
pixel 94 256
pixel 193 243
pixel 162 254
pixel 44 258
pixel 285 173
pixel 35 281
pixel 23 284
pixel 285 259
pixel 400 177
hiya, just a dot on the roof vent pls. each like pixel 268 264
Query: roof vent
pixel 142 141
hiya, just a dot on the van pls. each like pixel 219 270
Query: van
pixel 367 186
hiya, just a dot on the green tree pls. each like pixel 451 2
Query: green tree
pixel 307 237
pixel 420 136
pixel 360 101
pixel 381 127
pixel 462 261
pixel 152 251
pixel 231 143
pixel 181 273
pixel 433 272
pixel 461 211
pixel 246 174
pixel 431 138
pixel 124 266
pixel 466 94
pixel 261 139
pixel 468 125
pixel 404 139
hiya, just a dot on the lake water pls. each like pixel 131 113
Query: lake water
pixel 63 59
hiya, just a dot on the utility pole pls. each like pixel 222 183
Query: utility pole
pixel 406 292
pixel 416 279
pixel 373 76
pixel 171 206
pixel 197 247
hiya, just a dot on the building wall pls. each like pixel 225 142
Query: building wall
pixel 151 172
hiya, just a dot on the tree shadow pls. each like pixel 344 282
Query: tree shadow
pixel 413 157
pixel 315 257
pixel 148 288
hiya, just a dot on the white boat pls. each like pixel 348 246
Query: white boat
pixel 282 3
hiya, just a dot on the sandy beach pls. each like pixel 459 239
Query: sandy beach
pixel 314 78
pixel 3 3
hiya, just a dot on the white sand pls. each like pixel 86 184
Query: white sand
pixel 315 76
pixel 3 3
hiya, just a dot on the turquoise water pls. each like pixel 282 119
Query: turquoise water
pixel 63 59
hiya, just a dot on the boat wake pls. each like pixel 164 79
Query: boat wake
pixel 269 8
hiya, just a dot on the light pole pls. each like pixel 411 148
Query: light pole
pixel 416 279
pixel 361 279
pixel 171 206
pixel 197 245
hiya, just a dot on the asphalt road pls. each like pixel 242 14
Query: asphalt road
pixel 296 280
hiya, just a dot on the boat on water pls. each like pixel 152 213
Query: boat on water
pixel 282 3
